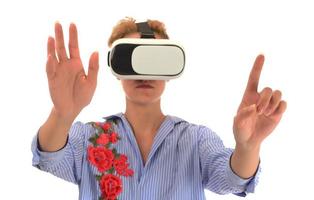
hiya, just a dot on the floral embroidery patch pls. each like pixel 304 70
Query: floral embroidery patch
pixel 110 164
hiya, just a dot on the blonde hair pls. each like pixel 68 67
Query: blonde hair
pixel 128 25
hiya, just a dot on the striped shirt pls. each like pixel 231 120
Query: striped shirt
pixel 184 160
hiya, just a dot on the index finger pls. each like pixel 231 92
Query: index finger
pixel 255 74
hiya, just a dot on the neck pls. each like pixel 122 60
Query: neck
pixel 145 120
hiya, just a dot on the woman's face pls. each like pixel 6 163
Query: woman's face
pixel 142 91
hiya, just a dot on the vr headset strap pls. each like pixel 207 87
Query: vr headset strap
pixel 145 30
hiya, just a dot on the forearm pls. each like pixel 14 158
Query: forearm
pixel 244 161
pixel 53 133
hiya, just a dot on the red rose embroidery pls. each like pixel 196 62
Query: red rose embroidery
pixel 103 139
pixel 121 166
pixel 110 186
pixel 100 157
pixel 106 126
pixel 107 160
pixel 114 137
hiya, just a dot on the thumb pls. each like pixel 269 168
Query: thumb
pixel 93 67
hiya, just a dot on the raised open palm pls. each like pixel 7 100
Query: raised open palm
pixel 70 88
pixel 259 112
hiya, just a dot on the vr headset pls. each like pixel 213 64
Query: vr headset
pixel 146 58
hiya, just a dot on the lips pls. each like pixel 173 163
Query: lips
pixel 144 86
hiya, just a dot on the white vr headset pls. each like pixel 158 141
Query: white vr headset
pixel 146 58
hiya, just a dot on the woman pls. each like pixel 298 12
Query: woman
pixel 165 157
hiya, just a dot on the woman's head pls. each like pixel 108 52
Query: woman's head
pixel 140 91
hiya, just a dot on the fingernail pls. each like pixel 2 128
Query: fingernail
pixel 259 110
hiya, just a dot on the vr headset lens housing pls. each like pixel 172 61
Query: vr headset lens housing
pixel 150 59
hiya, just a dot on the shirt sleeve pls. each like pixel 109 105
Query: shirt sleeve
pixel 67 162
pixel 217 175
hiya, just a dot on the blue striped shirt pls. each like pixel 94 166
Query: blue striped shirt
pixel 184 160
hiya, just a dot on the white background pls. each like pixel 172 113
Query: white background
pixel 221 39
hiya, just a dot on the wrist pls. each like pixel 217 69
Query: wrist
pixel 244 161
pixel 247 147
pixel 248 152
pixel 61 119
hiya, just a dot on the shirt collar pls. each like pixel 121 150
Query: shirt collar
pixel 120 115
